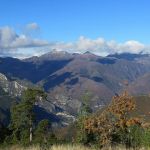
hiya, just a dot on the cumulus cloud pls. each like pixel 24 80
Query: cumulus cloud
pixel 10 40
pixel 22 45
pixel 100 46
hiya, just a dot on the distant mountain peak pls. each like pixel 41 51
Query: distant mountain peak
pixel 56 55
pixel 88 52
pixel 128 56
pixel 55 51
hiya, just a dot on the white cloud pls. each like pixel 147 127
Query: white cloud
pixel 32 26
pixel 12 44
pixel 10 40
pixel 100 46
pixel 132 46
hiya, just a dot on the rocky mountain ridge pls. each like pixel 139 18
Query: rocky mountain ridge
pixel 67 77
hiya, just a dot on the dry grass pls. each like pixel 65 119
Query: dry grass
pixel 56 147
pixel 70 147
pixel 67 147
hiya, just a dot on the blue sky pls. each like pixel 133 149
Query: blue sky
pixel 67 20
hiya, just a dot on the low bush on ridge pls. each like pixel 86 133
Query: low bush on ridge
pixel 115 125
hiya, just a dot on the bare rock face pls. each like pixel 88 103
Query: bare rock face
pixel 13 88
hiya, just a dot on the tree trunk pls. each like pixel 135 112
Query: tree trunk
pixel 31 135
pixel 31 131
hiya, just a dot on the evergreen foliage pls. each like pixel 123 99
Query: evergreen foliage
pixel 23 117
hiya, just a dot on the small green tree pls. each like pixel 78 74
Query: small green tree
pixel 145 137
pixel 85 111
pixel 42 131
pixel 23 117
pixel 3 132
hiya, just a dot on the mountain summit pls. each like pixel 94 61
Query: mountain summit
pixel 67 77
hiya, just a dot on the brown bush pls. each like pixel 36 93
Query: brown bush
pixel 115 117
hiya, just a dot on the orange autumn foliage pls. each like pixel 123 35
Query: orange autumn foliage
pixel 115 116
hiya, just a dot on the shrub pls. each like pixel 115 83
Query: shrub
pixel 146 138
pixel 115 124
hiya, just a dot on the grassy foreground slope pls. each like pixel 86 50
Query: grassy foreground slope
pixel 57 147
pixel 69 147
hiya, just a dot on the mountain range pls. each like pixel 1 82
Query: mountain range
pixel 66 77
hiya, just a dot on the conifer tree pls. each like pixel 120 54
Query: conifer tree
pixel 23 116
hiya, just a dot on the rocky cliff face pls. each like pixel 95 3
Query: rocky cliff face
pixel 11 91
pixel 13 88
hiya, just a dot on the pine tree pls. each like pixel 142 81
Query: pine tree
pixel 23 116
pixel 85 111
pixel 42 132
